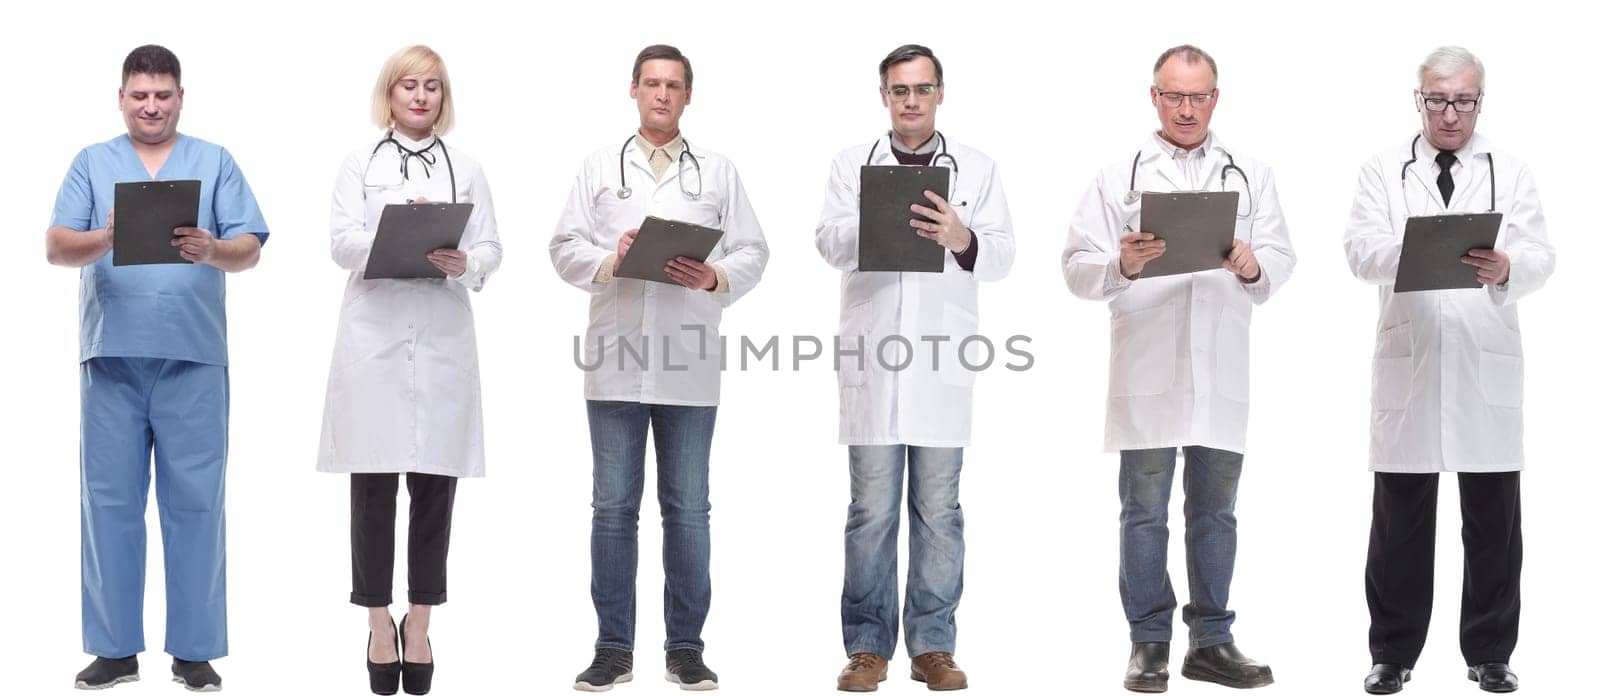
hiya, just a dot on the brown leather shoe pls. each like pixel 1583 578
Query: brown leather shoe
pixel 939 670
pixel 864 672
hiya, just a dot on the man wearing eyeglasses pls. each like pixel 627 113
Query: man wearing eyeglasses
pixel 905 394
pixel 1447 379
pixel 1180 348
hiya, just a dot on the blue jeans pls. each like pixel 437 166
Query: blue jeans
pixel 1210 485
pixel 868 606
pixel 617 432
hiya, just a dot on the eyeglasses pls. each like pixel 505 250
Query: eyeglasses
pixel 1462 106
pixel 1200 100
pixel 903 92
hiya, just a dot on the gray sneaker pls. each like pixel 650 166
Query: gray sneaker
pixel 688 671
pixel 195 676
pixel 610 667
pixel 106 672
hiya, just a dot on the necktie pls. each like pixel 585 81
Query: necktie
pixel 1447 184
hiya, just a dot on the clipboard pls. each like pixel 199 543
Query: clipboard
pixel 887 241
pixel 146 213
pixel 1430 254
pixel 408 231
pixel 1196 225
pixel 661 240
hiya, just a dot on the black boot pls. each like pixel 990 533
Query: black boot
pixel 1224 664
pixel 1147 668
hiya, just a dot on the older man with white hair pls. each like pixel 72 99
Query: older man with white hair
pixel 1447 379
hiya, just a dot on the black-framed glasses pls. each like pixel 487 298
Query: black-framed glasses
pixel 1462 106
pixel 903 92
pixel 1200 100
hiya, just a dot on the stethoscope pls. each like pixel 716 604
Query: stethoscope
pixel 622 170
pixel 944 152
pixel 1133 179
pixel 1413 160
pixel 424 156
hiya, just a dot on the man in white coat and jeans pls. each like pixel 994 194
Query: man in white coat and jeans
pixel 1447 379
pixel 905 394
pixel 652 358
pixel 1180 347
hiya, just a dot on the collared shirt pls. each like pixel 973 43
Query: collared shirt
pixel 661 157
pixel 1189 161
pixel 170 311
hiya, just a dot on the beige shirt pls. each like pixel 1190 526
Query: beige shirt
pixel 660 158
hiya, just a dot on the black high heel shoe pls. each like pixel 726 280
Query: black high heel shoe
pixel 417 676
pixel 383 677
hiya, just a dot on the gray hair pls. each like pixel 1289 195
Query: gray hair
pixel 1449 60
pixel 1190 55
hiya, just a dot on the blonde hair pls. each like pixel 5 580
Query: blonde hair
pixel 412 60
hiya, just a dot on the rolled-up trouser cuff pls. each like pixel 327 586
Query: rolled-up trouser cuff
pixel 426 598
pixel 362 600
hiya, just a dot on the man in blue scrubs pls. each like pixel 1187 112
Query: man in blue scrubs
pixel 154 378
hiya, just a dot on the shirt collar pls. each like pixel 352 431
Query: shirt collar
pixel 672 149
pixel 1177 153
pixel 1475 145
pixel 413 145
pixel 927 147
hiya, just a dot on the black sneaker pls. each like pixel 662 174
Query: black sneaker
pixel 685 669
pixel 610 667
pixel 106 672
pixel 195 676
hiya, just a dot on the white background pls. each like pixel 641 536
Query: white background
pixel 1051 94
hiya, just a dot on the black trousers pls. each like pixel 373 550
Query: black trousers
pixel 372 503
pixel 1400 565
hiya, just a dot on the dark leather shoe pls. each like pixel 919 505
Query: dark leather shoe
pixel 1493 676
pixel 1386 679
pixel 1147 668
pixel 1224 664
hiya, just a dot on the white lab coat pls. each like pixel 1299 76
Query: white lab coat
pixel 1447 370
pixel 1180 345
pixel 918 405
pixel 403 390
pixel 629 317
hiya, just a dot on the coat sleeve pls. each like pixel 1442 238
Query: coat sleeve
pixel 1092 262
pixel 839 231
pixel 1269 240
pixel 745 258
pixel 1533 258
pixel 482 238
pixel 991 223
pixel 351 241
pixel 573 250
pixel 1371 244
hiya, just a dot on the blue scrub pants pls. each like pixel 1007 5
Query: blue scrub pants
pixel 179 410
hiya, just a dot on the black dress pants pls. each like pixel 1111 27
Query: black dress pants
pixel 372 509
pixel 1400 565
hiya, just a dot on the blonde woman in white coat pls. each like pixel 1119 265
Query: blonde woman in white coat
pixel 403 394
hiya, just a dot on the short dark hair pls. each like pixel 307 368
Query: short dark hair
pixel 151 59
pixel 906 54
pixel 664 52
pixel 1190 54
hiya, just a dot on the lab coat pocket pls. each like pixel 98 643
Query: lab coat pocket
pixel 1391 369
pixel 1501 378
pixel 1143 352
pixel 1233 357
pixel 855 332
pixel 958 323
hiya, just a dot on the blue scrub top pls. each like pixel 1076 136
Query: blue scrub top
pixel 170 311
